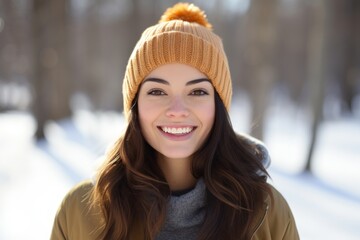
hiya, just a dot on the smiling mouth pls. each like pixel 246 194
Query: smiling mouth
pixel 177 131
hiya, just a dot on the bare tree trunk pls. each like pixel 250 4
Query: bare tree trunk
pixel 316 72
pixel 8 39
pixel 14 54
pixel 352 53
pixel 50 79
pixel 261 41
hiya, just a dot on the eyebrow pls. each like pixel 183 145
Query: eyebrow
pixel 157 80
pixel 195 81
pixel 191 82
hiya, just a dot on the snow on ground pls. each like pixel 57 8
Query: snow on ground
pixel 34 176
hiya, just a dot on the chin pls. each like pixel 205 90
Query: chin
pixel 176 154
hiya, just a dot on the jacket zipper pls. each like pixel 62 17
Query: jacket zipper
pixel 261 222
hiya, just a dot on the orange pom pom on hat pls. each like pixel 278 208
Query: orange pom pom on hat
pixel 183 35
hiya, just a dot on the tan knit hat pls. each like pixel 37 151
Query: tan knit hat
pixel 183 35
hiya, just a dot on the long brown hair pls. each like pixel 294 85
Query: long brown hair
pixel 132 191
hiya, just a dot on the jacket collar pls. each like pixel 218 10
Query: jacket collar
pixel 255 226
pixel 260 215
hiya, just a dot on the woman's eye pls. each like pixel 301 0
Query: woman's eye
pixel 199 92
pixel 156 92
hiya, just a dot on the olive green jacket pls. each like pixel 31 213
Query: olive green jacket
pixel 76 221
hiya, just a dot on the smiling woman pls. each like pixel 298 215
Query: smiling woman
pixel 179 171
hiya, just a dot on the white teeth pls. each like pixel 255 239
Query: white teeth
pixel 177 130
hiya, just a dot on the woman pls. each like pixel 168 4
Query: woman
pixel 179 171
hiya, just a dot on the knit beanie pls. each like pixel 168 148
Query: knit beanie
pixel 183 35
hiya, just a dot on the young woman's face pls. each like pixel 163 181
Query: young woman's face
pixel 176 106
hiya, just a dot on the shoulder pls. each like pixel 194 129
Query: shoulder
pixel 276 199
pixel 77 199
pixel 277 221
pixel 76 218
pixel 78 193
pixel 278 207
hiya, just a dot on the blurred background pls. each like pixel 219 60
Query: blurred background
pixel 295 67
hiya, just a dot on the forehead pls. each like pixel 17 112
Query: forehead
pixel 176 72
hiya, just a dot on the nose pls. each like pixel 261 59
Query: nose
pixel 177 108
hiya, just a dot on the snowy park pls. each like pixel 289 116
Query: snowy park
pixel 294 65
pixel 34 176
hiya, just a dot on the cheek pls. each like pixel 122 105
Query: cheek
pixel 207 114
pixel 145 122
pixel 144 114
pixel 143 106
pixel 148 113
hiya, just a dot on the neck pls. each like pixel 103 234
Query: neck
pixel 177 172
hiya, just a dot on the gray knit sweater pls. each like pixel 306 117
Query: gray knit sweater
pixel 185 215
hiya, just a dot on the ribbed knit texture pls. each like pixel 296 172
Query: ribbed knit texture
pixel 185 215
pixel 177 41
